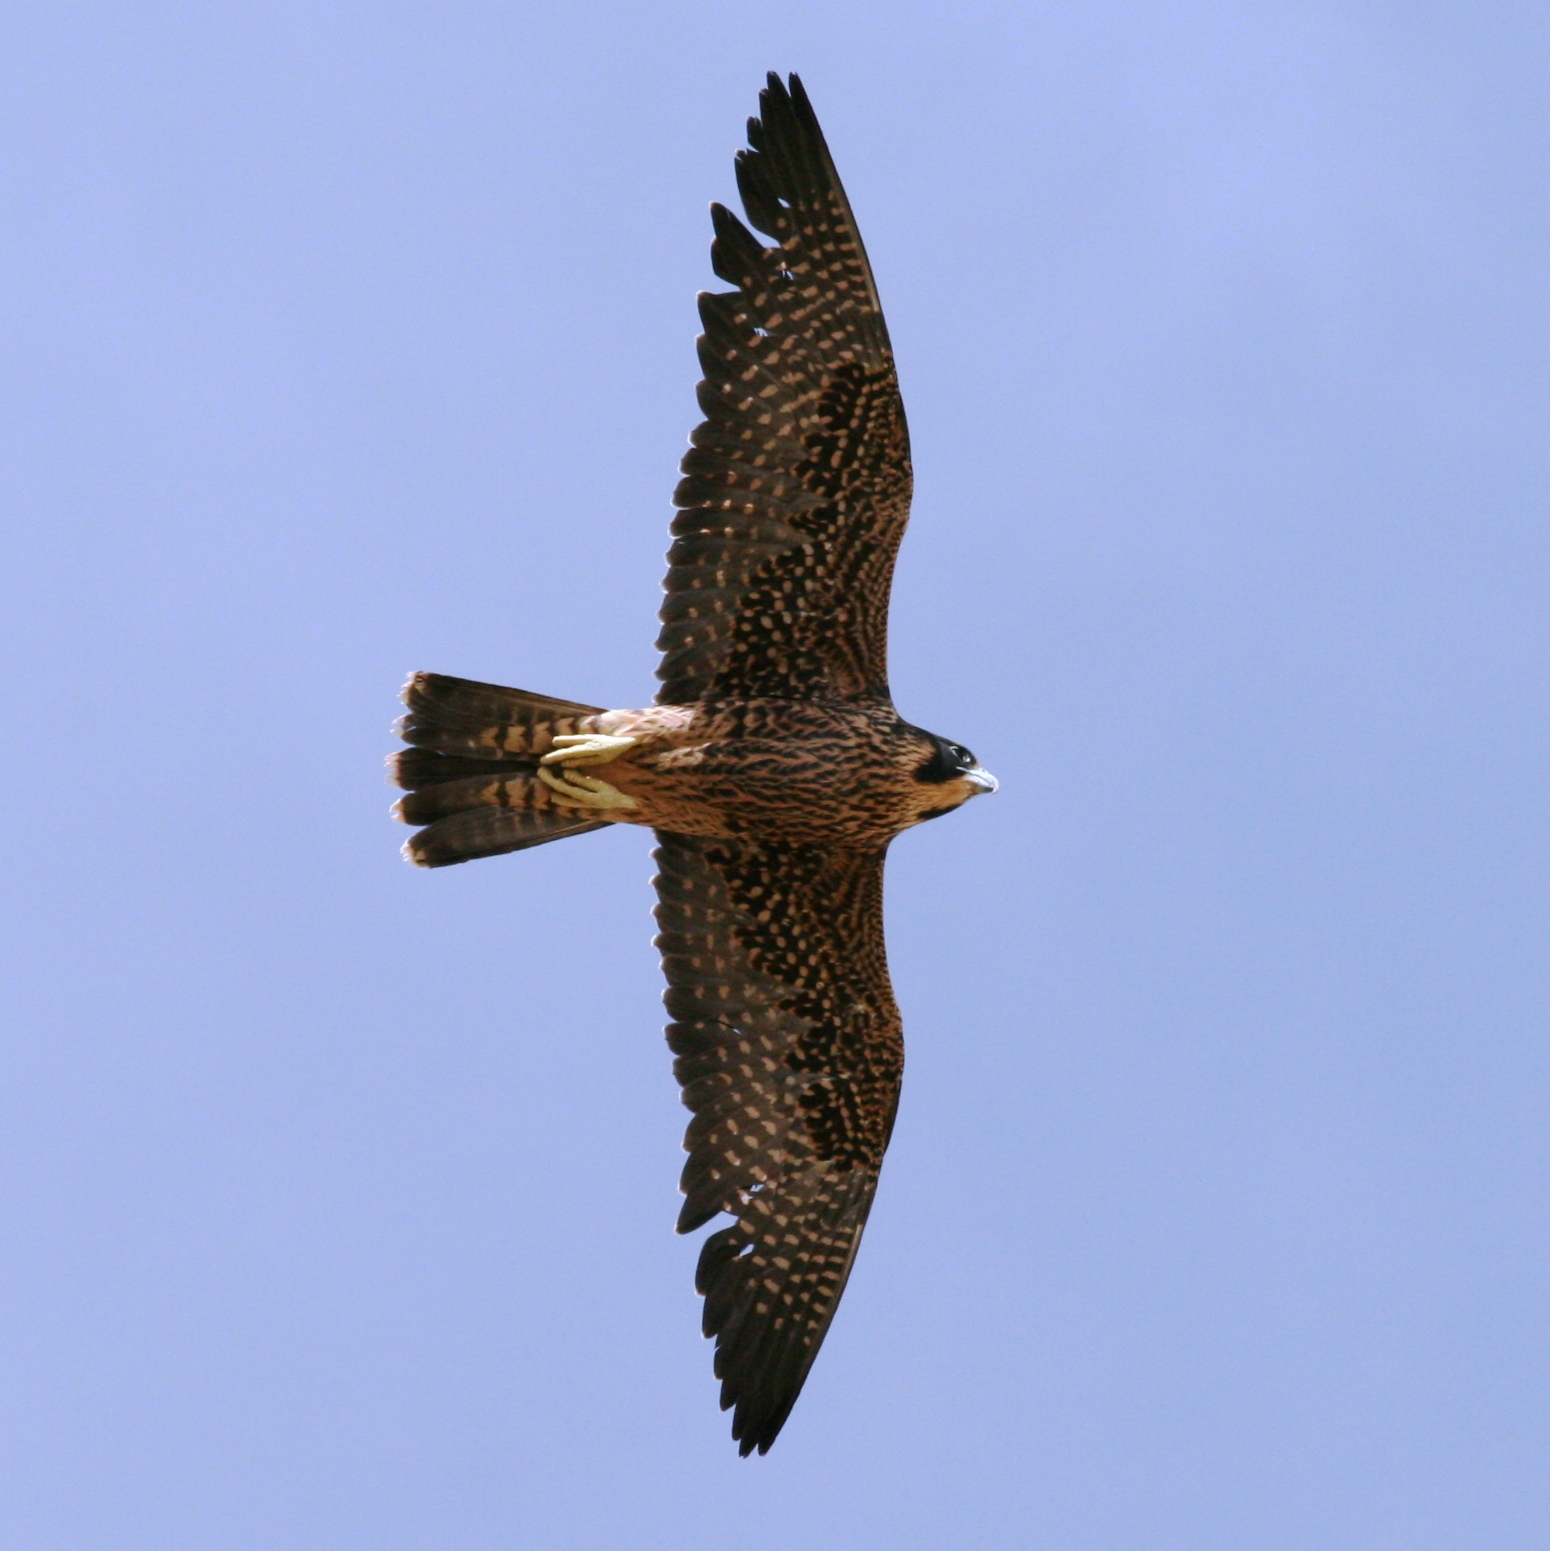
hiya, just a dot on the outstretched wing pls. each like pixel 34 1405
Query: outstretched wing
pixel 796 488
pixel 790 1054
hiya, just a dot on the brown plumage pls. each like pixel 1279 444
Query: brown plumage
pixel 773 766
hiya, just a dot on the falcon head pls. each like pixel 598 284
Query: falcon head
pixel 946 776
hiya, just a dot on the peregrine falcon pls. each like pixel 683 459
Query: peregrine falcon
pixel 773 766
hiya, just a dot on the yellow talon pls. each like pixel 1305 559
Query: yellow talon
pixel 586 748
pixel 583 791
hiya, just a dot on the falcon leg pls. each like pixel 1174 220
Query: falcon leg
pixel 573 790
pixel 586 748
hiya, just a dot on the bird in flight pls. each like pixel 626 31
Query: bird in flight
pixel 773 766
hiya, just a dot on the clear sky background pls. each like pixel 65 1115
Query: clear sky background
pixel 336 1198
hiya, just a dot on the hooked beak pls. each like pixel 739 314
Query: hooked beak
pixel 981 779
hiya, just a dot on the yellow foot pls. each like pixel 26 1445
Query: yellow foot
pixel 583 791
pixel 586 748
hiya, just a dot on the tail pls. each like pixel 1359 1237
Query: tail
pixel 471 770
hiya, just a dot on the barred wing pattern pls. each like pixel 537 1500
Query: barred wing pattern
pixel 790 1053
pixel 796 488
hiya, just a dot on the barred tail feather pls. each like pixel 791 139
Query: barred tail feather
pixel 464 837
pixel 414 768
pixel 471 770
pixel 459 716
pixel 468 700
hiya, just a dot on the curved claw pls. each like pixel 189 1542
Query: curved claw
pixel 582 791
pixel 586 748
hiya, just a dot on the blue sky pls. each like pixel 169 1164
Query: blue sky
pixel 343 340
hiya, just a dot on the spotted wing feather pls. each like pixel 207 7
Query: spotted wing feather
pixel 796 488
pixel 790 1053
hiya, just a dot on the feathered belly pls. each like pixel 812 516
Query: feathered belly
pixel 790 772
pixel 787 794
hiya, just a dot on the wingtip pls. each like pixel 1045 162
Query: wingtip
pixel 756 1437
pixel 776 94
pixel 696 1212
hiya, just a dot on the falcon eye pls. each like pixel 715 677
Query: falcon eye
pixel 948 761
